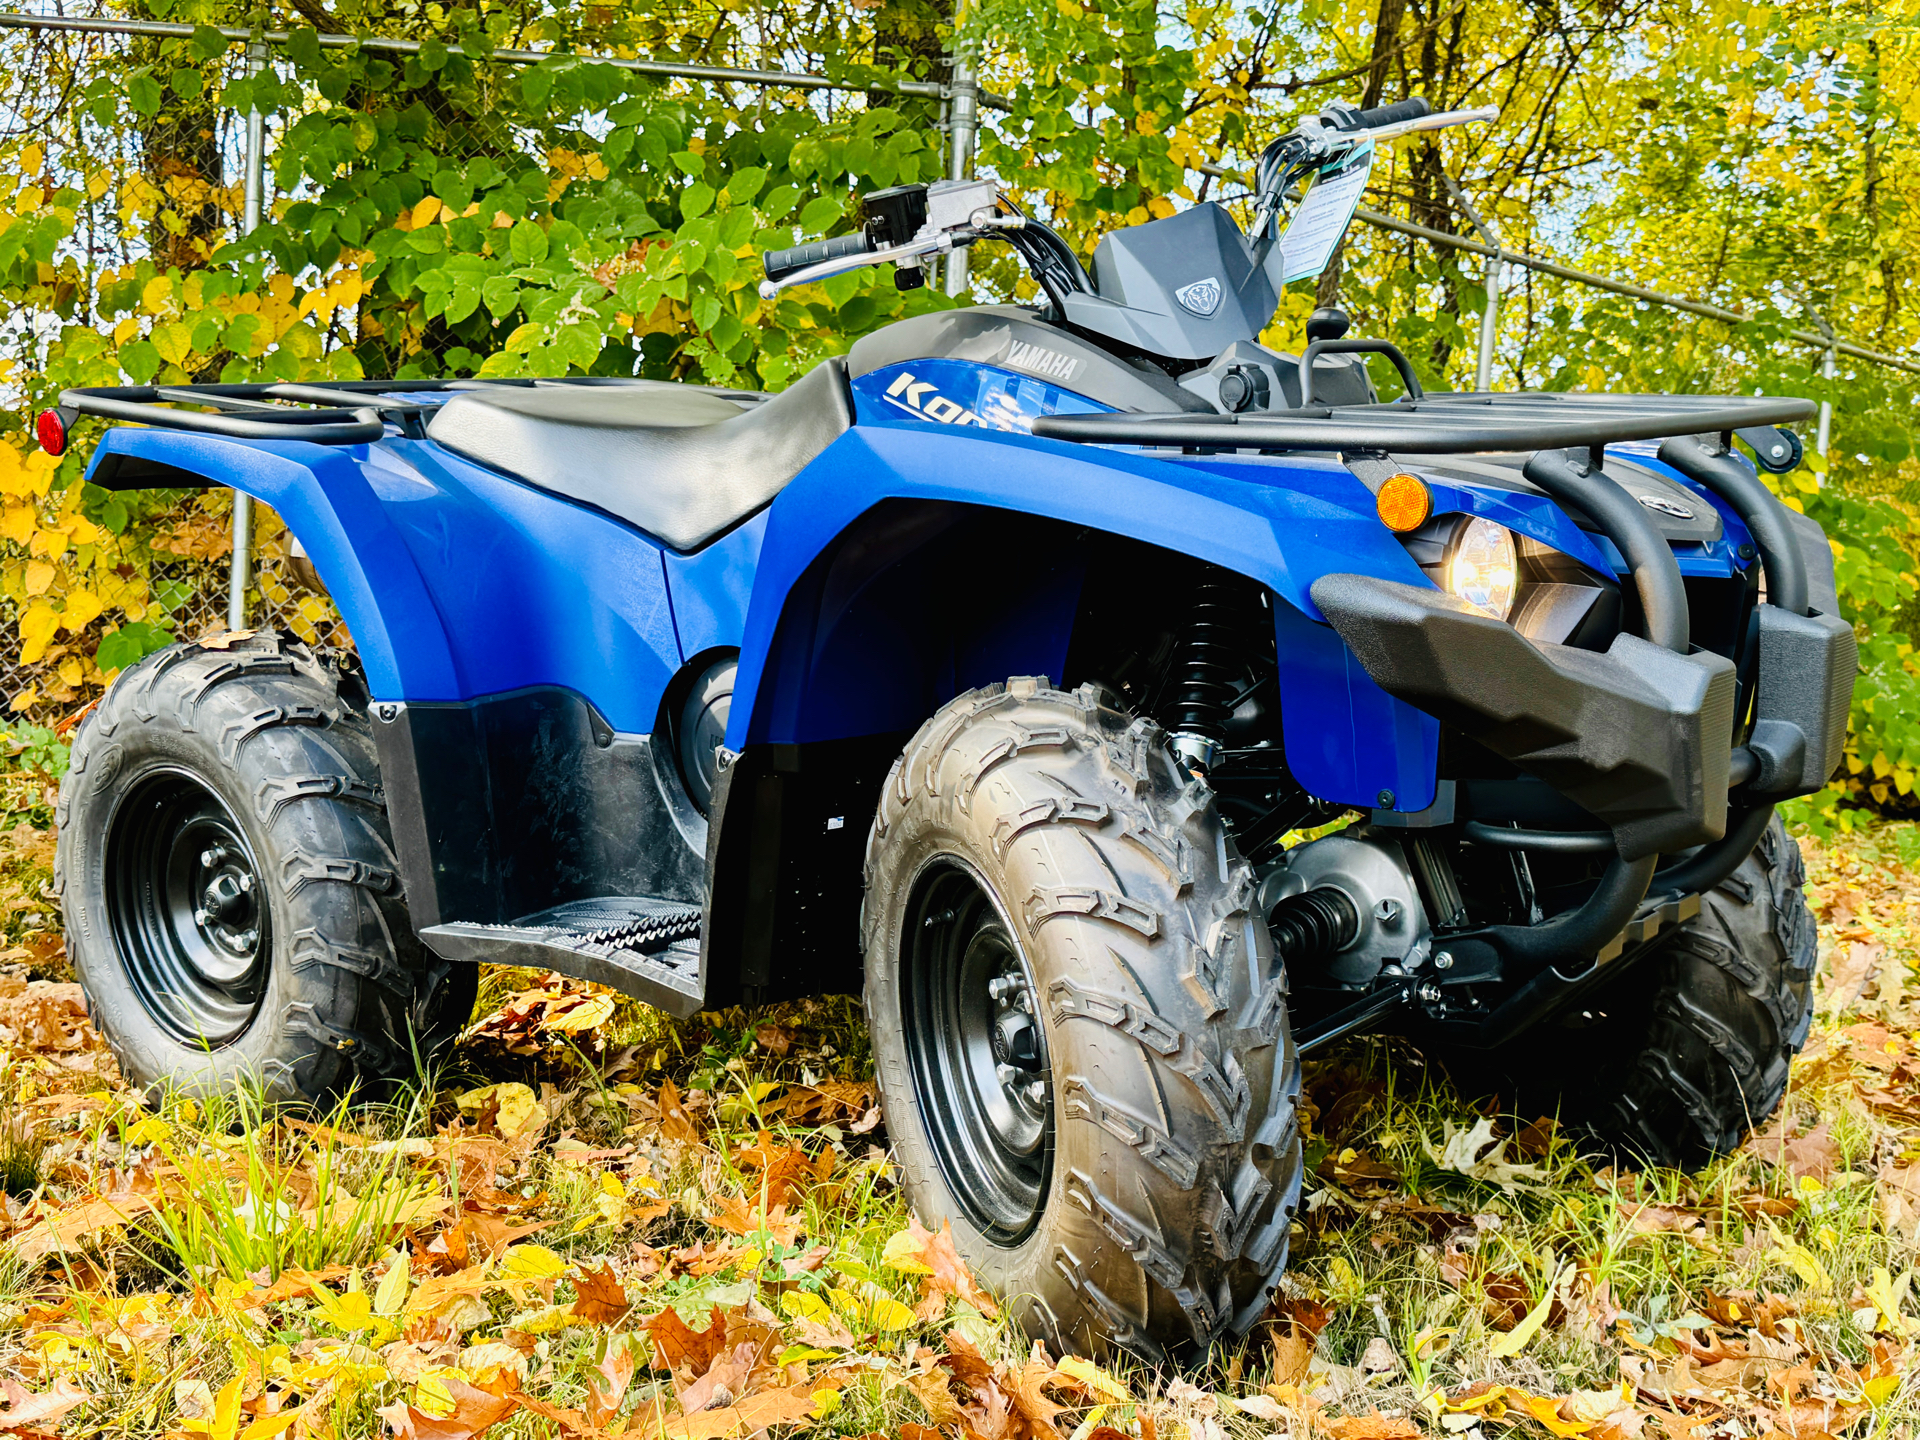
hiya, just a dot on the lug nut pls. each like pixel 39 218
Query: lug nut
pixel 1008 1076
pixel 200 918
pixel 1037 1092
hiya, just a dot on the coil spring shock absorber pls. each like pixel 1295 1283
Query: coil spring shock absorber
pixel 1206 676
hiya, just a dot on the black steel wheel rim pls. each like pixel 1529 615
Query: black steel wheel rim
pixel 186 908
pixel 973 1034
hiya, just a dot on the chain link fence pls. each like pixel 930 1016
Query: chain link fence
pixel 188 583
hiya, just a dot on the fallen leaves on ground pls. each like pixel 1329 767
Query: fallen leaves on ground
pixel 611 1225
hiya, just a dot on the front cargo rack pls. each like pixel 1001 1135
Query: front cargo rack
pixel 334 412
pixel 1441 424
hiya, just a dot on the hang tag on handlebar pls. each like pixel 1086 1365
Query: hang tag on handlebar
pixel 1323 215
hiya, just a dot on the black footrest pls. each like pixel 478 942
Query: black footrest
pixel 647 948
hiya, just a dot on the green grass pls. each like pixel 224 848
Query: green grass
pixel 1420 1272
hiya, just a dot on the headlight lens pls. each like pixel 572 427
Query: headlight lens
pixel 1482 568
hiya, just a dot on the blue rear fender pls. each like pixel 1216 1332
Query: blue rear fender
pixel 454 581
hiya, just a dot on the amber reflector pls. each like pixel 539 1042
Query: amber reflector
pixel 1403 502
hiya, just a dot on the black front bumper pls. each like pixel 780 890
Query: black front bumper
pixel 1640 736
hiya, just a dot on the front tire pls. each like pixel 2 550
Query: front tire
pixel 1079 1024
pixel 233 907
pixel 1689 1049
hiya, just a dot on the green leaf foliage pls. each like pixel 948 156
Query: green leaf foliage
pixel 440 213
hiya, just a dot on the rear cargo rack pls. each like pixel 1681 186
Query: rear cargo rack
pixel 335 412
pixel 1441 424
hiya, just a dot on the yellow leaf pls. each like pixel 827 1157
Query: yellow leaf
pixel 1094 1379
pixel 156 297
pixel 528 1262
pixel 226 1409
pixel 826 1402
pixel 593 1011
pixel 350 1311
pixel 1514 1342
pixel 425 211
pixel 806 1306
pixel 903 1253
pixel 39 577
pixel 1888 1295
pixel 430 1390
pixel 31 159
pixel 1880 1388
pixel 16 522
pixel 546 1319
pixel 82 607
pixel 1800 1260
pixel 268 1427
pixel 174 342
pixel 1547 1411
pixel 390 1296
pixel 145 1131
pixel 518 1108
pixel 37 627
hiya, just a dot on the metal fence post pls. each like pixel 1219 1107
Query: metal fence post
pixel 963 128
pixel 253 185
pixel 1827 410
pixel 1491 267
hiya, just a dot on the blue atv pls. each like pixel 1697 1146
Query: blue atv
pixel 705 695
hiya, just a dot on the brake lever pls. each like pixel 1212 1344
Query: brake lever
pixel 915 250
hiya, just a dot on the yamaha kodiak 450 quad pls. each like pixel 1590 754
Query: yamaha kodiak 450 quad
pixel 989 669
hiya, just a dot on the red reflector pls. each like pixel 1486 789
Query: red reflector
pixel 51 429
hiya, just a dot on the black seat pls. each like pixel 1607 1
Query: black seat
pixel 681 463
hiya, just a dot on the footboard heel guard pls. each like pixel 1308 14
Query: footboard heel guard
pixel 1638 736
pixel 648 949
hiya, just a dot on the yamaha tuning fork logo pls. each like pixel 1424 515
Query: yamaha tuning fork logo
pixel 1666 506
pixel 1203 297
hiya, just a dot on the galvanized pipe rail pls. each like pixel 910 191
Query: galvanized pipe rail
pixel 386 45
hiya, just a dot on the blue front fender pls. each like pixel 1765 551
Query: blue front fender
pixel 1347 741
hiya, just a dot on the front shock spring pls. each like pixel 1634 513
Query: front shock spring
pixel 1206 676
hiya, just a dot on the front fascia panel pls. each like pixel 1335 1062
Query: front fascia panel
pixel 1285 535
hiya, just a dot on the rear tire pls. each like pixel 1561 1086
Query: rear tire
pixel 1079 1024
pixel 233 906
pixel 1689 1049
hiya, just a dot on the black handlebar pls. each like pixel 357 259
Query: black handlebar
pixel 1391 114
pixel 781 263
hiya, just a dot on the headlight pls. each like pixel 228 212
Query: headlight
pixel 1482 568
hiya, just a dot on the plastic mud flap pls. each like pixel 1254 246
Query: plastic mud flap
pixel 1637 736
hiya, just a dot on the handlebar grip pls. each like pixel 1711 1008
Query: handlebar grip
pixel 781 263
pixel 1392 114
